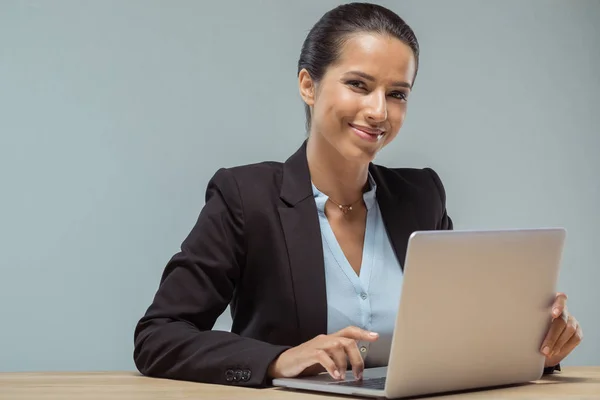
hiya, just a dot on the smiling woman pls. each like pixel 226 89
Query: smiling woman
pixel 309 252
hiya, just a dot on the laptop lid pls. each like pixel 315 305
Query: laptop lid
pixel 474 309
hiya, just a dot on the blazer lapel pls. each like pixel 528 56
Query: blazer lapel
pixel 397 211
pixel 302 232
pixel 300 223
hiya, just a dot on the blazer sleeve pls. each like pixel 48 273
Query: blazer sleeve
pixel 445 222
pixel 174 339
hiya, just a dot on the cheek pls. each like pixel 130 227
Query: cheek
pixel 341 105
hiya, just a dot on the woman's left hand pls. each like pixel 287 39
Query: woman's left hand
pixel 564 333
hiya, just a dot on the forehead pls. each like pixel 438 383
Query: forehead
pixel 382 56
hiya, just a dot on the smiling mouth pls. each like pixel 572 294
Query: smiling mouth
pixel 370 134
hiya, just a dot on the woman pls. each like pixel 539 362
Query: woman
pixel 308 252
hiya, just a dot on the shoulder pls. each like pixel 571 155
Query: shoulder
pixel 422 187
pixel 261 179
pixel 416 180
pixel 257 173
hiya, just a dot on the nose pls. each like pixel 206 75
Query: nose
pixel 376 110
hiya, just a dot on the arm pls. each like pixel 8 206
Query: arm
pixel 174 338
pixel 550 370
pixel 445 222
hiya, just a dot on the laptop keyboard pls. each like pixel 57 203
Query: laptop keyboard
pixel 373 383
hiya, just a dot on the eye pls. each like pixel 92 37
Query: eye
pixel 398 95
pixel 356 84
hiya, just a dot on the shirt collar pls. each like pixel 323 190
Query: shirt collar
pixel 368 197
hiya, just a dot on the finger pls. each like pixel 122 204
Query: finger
pixel 558 325
pixel 559 305
pixel 565 336
pixel 353 332
pixel 356 361
pixel 323 358
pixel 337 352
pixel 572 343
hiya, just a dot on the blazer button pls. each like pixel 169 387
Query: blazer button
pixel 246 374
pixel 238 375
pixel 229 375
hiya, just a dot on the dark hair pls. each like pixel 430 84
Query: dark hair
pixel 322 46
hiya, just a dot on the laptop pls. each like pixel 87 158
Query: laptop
pixel 474 310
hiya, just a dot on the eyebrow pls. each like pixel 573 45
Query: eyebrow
pixel 372 79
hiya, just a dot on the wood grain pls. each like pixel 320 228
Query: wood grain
pixel 572 383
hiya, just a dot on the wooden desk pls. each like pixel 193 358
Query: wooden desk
pixel 572 383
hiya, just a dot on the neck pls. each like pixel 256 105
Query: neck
pixel 342 180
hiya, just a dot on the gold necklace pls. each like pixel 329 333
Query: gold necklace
pixel 344 208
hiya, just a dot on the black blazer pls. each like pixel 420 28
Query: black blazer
pixel 257 247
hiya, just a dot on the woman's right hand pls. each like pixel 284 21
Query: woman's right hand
pixel 325 352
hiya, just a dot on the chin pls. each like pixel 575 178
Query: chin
pixel 359 153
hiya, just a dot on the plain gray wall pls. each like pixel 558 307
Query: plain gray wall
pixel 114 115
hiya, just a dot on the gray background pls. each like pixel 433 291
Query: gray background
pixel 114 115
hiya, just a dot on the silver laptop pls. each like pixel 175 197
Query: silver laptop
pixel 474 309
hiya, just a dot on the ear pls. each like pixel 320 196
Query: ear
pixel 306 87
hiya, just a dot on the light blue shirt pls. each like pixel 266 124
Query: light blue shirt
pixel 369 301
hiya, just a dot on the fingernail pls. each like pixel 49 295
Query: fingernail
pixel 556 312
pixel 343 374
pixel 546 350
pixel 336 374
pixel 373 334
